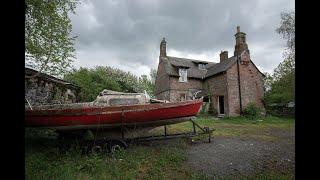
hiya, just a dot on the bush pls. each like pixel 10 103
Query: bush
pixel 252 111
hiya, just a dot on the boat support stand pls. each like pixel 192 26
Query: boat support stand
pixel 204 130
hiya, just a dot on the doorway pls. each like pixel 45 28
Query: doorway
pixel 221 104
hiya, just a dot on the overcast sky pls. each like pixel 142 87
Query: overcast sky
pixel 126 33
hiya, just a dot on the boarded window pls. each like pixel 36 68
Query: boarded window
pixel 123 101
pixel 183 75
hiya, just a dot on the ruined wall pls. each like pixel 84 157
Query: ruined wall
pixel 217 86
pixel 251 82
pixel 39 91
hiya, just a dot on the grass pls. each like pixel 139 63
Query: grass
pixel 163 160
pixel 260 128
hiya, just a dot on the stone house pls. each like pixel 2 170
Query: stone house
pixel 41 88
pixel 229 86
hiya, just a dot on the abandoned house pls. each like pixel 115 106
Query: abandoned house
pixel 41 88
pixel 229 86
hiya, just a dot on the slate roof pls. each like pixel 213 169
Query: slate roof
pixel 30 72
pixel 221 67
pixel 173 63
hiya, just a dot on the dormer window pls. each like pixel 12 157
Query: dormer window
pixel 202 66
pixel 183 75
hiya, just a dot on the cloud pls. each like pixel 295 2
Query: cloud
pixel 126 34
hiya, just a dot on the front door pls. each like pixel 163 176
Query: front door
pixel 221 104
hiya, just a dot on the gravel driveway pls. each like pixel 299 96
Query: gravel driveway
pixel 231 156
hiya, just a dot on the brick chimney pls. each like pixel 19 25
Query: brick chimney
pixel 163 49
pixel 241 44
pixel 223 55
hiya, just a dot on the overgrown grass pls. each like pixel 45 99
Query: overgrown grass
pixel 164 160
pixel 156 161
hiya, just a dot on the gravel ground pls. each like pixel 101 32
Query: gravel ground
pixel 232 156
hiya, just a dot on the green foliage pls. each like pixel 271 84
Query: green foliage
pixel 93 81
pixel 287 31
pixel 88 135
pixel 280 86
pixel 252 111
pixel 165 161
pixel 146 84
pixel 153 75
pixel 49 46
pixel 157 160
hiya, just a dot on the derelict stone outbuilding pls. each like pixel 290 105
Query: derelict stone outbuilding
pixel 41 89
pixel 228 85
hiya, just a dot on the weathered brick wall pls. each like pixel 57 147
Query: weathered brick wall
pixel 251 87
pixel 162 82
pixel 217 86
pixel 39 91
pixel 190 84
pixel 189 88
pixel 233 91
pixel 165 95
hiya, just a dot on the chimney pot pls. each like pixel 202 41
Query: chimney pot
pixel 163 49
pixel 223 55
pixel 238 29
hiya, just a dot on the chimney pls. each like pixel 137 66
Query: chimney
pixel 241 44
pixel 163 50
pixel 223 55
pixel 238 29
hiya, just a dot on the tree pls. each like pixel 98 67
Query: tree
pixel 49 46
pixel 147 85
pixel 93 81
pixel 280 86
pixel 287 30
pixel 268 80
pixel 153 75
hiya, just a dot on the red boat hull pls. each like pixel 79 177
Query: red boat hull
pixel 130 115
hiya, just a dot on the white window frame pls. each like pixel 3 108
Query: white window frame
pixel 183 75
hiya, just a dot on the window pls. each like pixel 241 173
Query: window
pixel 202 66
pixel 183 75
pixel 123 101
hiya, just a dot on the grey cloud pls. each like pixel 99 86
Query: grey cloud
pixel 130 31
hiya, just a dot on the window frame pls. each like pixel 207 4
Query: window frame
pixel 183 75
pixel 202 66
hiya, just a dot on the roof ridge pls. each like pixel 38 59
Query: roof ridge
pixel 191 59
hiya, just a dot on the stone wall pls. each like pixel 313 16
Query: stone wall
pixel 39 91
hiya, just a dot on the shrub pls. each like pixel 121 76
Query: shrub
pixel 252 111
